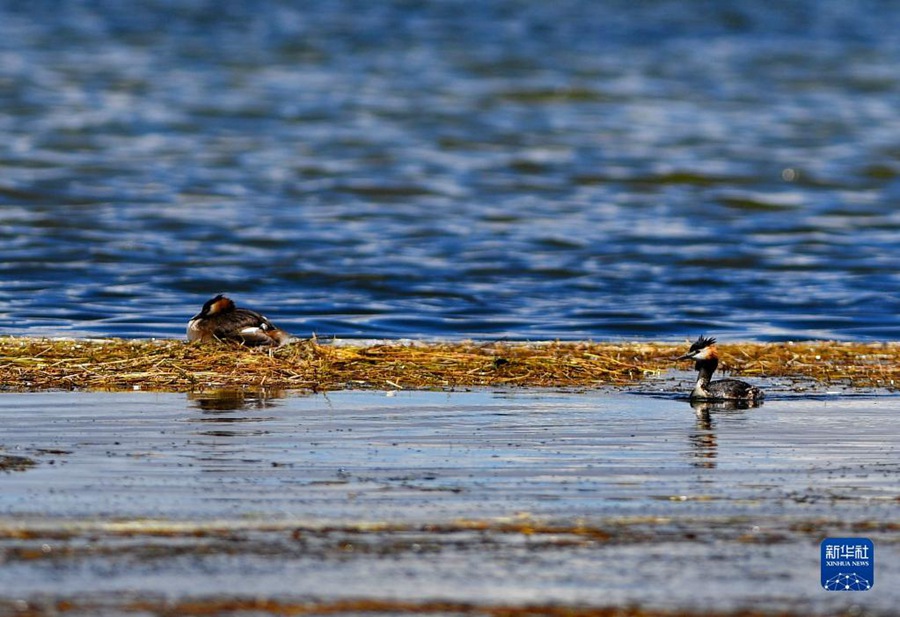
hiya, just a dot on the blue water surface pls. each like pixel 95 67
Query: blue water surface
pixel 449 169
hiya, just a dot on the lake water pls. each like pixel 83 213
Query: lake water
pixel 134 503
pixel 531 170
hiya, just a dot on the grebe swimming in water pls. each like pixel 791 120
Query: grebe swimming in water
pixel 706 359
pixel 221 320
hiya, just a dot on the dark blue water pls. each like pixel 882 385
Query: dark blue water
pixel 522 169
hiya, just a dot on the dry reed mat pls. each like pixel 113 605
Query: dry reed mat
pixel 171 365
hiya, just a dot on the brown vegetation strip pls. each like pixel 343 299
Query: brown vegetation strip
pixel 45 364
pixel 233 606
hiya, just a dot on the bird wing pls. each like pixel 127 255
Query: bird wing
pixel 246 326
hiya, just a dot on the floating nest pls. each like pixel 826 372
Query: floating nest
pixel 170 365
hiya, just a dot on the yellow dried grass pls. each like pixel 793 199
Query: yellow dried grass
pixel 170 365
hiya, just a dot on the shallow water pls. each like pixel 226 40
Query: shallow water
pixel 515 169
pixel 619 498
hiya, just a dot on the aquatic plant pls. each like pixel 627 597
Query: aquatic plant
pixel 115 364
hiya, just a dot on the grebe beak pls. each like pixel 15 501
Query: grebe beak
pixel 688 356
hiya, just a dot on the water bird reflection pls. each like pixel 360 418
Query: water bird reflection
pixel 221 401
pixel 704 441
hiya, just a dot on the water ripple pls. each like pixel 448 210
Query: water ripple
pixel 513 170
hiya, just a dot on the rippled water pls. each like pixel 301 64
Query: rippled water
pixel 452 169
pixel 138 499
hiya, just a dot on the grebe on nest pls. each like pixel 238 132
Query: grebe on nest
pixel 221 320
pixel 706 359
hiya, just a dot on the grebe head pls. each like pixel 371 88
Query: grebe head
pixel 219 304
pixel 703 349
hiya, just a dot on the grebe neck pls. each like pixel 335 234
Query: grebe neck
pixel 705 370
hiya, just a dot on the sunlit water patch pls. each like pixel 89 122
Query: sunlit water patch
pixel 533 171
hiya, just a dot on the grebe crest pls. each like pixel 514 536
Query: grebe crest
pixel 221 320
pixel 706 359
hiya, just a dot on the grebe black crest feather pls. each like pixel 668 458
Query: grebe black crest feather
pixel 703 341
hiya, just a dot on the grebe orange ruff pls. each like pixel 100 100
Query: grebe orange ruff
pixel 706 359
pixel 221 320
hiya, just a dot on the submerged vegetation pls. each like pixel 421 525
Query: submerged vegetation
pixel 45 364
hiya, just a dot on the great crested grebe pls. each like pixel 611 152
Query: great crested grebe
pixel 706 359
pixel 221 320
